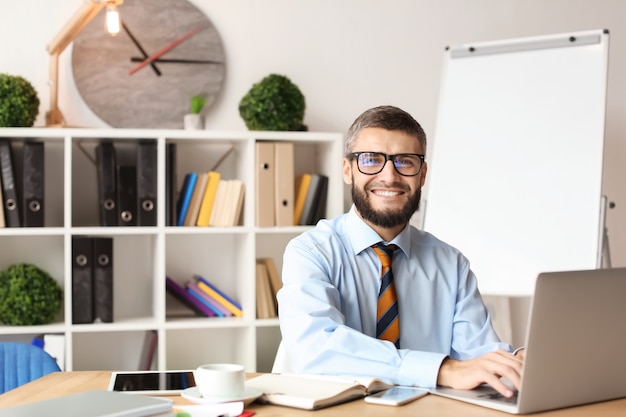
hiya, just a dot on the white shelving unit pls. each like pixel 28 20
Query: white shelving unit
pixel 144 256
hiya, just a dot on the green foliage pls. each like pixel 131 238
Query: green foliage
pixel 19 103
pixel 274 103
pixel 197 104
pixel 28 296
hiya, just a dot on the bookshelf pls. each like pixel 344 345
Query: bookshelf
pixel 145 255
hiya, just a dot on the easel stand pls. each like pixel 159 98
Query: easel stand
pixel 604 251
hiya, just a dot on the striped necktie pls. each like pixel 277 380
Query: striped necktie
pixel 387 320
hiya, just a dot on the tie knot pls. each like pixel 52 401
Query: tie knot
pixel 387 250
pixel 385 253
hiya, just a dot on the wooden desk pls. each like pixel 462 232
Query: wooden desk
pixel 63 383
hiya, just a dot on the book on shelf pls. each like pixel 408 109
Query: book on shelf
pixel 275 282
pixel 312 392
pixel 265 305
pixel 233 204
pixel 206 299
pixel 301 187
pixel 218 205
pixel 209 288
pixel 196 200
pixel 150 342
pixel 208 199
pixel 184 198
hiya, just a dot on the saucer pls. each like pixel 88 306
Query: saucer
pixel 193 394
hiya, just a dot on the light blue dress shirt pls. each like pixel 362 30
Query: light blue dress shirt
pixel 327 306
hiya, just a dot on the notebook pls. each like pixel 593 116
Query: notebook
pixel 93 404
pixel 575 344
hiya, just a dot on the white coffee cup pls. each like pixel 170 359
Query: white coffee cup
pixel 220 380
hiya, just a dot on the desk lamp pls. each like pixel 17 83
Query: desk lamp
pixel 69 32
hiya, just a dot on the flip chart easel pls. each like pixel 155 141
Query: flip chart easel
pixel 515 176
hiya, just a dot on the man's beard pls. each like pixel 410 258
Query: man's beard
pixel 386 218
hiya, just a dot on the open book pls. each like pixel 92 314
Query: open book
pixel 311 392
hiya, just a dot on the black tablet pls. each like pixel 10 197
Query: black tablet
pixel 151 382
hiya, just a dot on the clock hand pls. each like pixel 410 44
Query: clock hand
pixel 167 48
pixel 143 52
pixel 177 61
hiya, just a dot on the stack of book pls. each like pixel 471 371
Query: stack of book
pixel 29 209
pixel 206 199
pixel 204 298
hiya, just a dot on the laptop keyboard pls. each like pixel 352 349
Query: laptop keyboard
pixel 496 396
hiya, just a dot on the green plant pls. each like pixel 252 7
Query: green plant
pixel 28 296
pixel 274 103
pixel 197 104
pixel 19 103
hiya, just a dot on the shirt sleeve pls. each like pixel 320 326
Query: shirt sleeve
pixel 317 339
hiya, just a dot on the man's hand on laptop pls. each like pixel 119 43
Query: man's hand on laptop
pixel 486 369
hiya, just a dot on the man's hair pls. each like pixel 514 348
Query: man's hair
pixel 385 117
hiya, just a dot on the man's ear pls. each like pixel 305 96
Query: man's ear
pixel 347 171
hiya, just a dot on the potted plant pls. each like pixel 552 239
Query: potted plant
pixel 274 103
pixel 29 296
pixel 19 103
pixel 193 120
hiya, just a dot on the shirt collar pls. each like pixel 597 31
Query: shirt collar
pixel 362 236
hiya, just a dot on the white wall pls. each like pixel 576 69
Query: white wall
pixel 348 55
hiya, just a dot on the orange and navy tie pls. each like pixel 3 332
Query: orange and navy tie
pixel 387 320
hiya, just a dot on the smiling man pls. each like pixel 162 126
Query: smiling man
pixel 367 294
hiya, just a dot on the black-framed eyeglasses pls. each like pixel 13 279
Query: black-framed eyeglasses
pixel 371 163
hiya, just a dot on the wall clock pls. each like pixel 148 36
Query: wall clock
pixel 125 88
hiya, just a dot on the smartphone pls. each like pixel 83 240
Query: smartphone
pixel 396 396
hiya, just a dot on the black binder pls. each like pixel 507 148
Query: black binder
pixel 170 184
pixel 82 280
pixel 107 183
pixel 33 184
pixel 127 195
pixel 9 191
pixel 147 183
pixel 103 279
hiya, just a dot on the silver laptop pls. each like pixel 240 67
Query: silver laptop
pixel 93 404
pixel 575 342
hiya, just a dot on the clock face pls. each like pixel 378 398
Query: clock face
pixel 124 88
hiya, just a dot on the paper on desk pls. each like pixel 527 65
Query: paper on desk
pixel 212 410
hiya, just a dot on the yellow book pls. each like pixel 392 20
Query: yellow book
pixel 208 199
pixel 237 312
pixel 302 186
pixel 218 204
